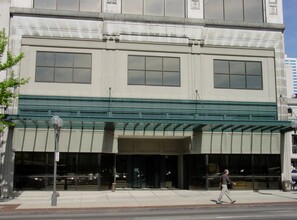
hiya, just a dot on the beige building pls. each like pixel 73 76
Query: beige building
pixel 153 93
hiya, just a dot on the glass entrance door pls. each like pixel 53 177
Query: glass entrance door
pixel 146 171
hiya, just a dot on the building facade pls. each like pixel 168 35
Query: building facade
pixel 293 63
pixel 153 94
pixel 291 102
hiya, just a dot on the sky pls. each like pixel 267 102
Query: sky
pixel 290 20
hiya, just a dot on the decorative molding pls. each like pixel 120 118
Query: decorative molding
pixel 195 4
pixel 272 10
pixel 111 1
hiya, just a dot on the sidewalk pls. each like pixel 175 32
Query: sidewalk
pixel 140 198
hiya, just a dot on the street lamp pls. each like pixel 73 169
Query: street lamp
pixel 57 122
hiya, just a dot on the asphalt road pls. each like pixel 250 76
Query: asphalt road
pixel 265 211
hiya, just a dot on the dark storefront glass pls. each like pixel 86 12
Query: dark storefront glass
pixel 74 171
pixel 248 171
pixel 267 171
pixel 85 171
pixel 196 171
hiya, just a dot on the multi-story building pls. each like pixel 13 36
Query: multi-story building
pixel 293 63
pixel 291 102
pixel 152 93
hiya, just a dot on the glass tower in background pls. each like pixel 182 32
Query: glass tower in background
pixel 293 63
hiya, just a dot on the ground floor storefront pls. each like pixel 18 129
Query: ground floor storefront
pixel 109 143
pixel 91 171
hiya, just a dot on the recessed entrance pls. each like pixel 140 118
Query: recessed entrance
pixel 147 171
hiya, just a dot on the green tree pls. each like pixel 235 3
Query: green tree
pixel 8 87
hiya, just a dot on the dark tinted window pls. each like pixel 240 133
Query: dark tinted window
pixel 158 71
pixel 63 67
pixel 234 10
pixel 237 74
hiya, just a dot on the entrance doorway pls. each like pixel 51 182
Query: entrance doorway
pixel 147 171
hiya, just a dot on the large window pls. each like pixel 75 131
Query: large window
pixel 75 171
pixel 73 5
pixel 174 8
pixel 234 10
pixel 237 74
pixel 294 144
pixel 157 71
pixel 63 67
pixel 247 170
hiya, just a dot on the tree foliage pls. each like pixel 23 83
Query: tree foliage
pixel 8 87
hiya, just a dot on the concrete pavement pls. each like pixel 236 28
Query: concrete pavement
pixel 121 198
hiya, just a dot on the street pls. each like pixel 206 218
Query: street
pixel 259 211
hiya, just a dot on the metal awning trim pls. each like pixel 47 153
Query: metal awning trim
pixel 167 124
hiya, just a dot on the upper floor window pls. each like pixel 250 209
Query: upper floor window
pixel 73 5
pixel 174 8
pixel 156 71
pixel 235 74
pixel 63 67
pixel 234 10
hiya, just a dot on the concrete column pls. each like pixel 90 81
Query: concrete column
pixel 7 164
pixel 285 161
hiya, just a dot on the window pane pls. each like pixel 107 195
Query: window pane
pixel 233 10
pixel 253 68
pixel 64 59
pixel 68 5
pixel 48 4
pixel 213 9
pixel 221 81
pixel 175 8
pixel 221 66
pixel 45 59
pixel 83 60
pixel 136 77
pixel 132 7
pixel 44 74
pixel 153 71
pixel 237 82
pixel 237 67
pixel 87 163
pixel 153 78
pixel 82 75
pixel 243 74
pixel 154 63
pixel 90 5
pixel 63 75
pixel 135 62
pixel 260 164
pixel 154 7
pixel 171 79
pixel 171 64
pixel 253 10
pixel 254 82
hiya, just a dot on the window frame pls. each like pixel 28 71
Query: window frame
pixel 56 67
pixel 244 17
pixel 231 74
pixel 147 71
pixel 56 2
pixel 164 11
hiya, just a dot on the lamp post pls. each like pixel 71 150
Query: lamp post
pixel 57 122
